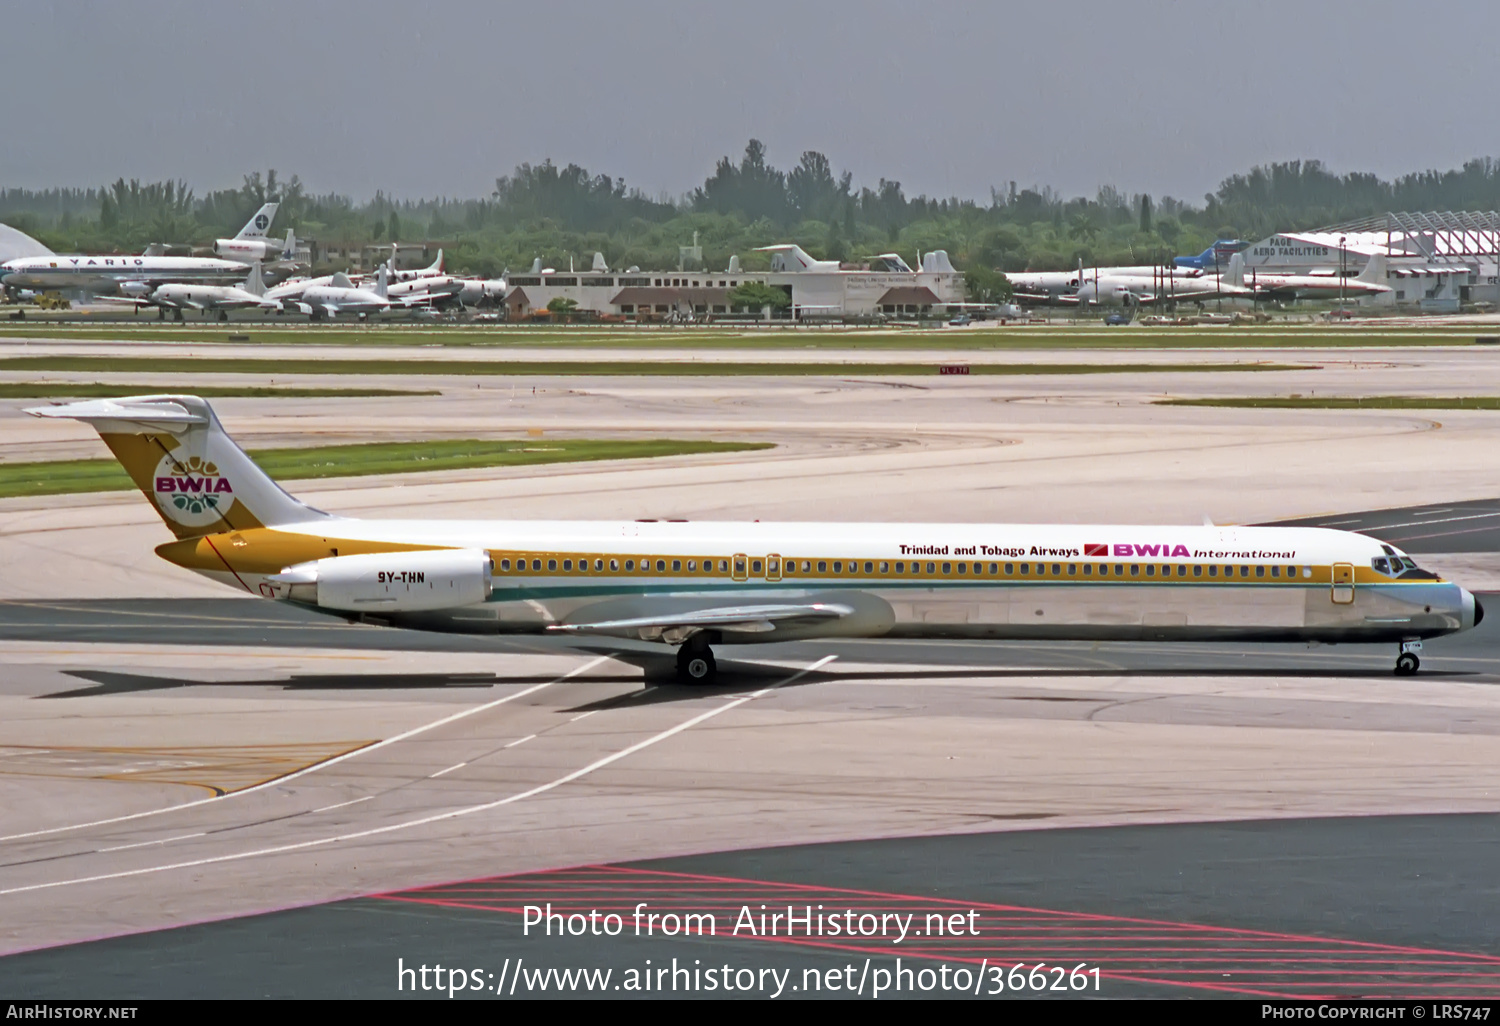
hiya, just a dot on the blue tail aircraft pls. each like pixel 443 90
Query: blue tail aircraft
pixel 1205 261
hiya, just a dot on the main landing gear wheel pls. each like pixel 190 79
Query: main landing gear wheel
pixel 696 665
pixel 1406 664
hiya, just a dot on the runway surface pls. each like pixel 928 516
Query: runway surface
pixel 184 772
pixel 1288 908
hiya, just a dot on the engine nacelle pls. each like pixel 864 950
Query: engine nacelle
pixel 247 250
pixel 402 582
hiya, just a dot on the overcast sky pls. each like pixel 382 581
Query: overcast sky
pixel 439 98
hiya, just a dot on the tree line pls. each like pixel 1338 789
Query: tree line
pixel 561 212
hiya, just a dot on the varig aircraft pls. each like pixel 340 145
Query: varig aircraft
pixel 698 585
pixel 251 242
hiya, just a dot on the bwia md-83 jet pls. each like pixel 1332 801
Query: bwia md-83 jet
pixel 694 586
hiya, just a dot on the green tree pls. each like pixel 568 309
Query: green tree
pixel 755 295
pixel 561 306
pixel 983 285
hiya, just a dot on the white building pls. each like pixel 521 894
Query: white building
pixel 817 288
pixel 1434 261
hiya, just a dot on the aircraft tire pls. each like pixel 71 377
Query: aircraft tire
pixel 696 665
pixel 1406 664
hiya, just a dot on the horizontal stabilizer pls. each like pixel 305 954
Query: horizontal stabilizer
pixel 148 412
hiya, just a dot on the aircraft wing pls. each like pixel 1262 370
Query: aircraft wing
pixel 750 619
pixel 125 300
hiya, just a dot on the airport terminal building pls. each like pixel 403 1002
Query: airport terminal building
pixel 1441 262
pixel 887 287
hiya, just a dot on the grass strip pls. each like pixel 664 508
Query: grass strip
pixel 100 390
pixel 1367 402
pixel 57 477
pixel 1010 338
pixel 599 368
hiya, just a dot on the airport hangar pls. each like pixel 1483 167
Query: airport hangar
pixel 1436 262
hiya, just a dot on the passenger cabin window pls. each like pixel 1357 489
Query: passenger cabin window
pixel 1260 571
pixel 1135 569
pixel 822 566
pixel 869 568
pixel 947 568
pixel 900 568
pixel 885 568
pixel 692 565
pixel 661 566
pixel 629 565
pixel 1150 571
pixel 994 569
pixel 1197 571
pixel 599 565
pixel 551 564
pixel 1010 568
pixel 932 568
pixel 755 566
pixel 676 566
pixel 505 564
pixel 963 568
pixel 1213 571
pixel 838 566
pixel 1119 569
pixel 614 565
pixel 773 566
pixel 1182 570
pixel 567 564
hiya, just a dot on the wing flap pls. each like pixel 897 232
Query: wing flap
pixel 755 619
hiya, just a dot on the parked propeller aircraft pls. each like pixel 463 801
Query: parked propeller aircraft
pixel 219 299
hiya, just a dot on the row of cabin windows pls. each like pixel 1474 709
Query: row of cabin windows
pixel 794 568
pixel 567 566
pixel 1041 569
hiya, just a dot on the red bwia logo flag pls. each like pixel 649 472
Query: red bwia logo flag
pixel 1095 550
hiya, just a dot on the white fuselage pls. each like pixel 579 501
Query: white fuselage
pixel 105 274
pixel 206 297
pixel 925 580
pixel 331 300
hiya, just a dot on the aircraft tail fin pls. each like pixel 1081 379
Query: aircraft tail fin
pixel 436 267
pixel 255 228
pixel 1374 271
pixel 382 283
pixel 289 247
pixel 255 282
pixel 340 280
pixel 155 249
pixel 179 456
pixel 1234 275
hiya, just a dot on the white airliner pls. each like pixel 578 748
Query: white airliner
pixel 697 585
pixel 1369 282
pixel 106 275
pixel 251 243
pixel 218 299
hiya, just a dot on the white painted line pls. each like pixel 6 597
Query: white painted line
pixel 521 741
pixel 1441 520
pixel 340 805
pixel 147 844
pixel 319 765
pixel 583 716
pixel 441 816
pixel 450 769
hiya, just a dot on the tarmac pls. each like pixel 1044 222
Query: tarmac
pixel 186 771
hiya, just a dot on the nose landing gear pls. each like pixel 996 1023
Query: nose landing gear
pixel 695 662
pixel 1409 659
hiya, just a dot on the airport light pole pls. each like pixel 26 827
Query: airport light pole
pixel 1343 273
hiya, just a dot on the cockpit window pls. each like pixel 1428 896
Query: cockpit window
pixel 1379 563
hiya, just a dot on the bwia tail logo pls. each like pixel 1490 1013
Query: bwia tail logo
pixel 192 492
